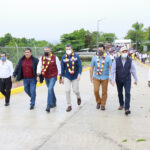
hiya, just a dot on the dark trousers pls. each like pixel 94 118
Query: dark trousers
pixel 127 86
pixel 5 88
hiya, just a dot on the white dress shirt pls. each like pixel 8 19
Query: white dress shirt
pixel 6 69
pixel 149 75
pixel 39 67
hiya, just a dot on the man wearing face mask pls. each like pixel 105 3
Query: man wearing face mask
pixel 99 75
pixel 26 70
pixel 49 67
pixel 6 72
pixel 71 69
pixel 122 68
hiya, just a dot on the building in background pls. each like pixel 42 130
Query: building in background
pixel 123 42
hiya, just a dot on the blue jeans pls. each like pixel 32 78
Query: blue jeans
pixel 30 88
pixel 127 86
pixel 51 100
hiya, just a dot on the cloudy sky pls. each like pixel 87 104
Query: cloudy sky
pixel 49 19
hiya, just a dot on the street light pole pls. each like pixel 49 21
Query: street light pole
pixel 98 31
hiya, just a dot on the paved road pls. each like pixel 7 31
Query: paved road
pixel 85 128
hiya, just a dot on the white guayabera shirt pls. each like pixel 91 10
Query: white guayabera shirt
pixel 6 69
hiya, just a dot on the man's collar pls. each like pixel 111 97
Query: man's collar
pixel 28 58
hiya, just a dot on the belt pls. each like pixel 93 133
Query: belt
pixel 4 78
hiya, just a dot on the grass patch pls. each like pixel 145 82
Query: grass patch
pixel 125 140
pixel 86 63
pixel 140 140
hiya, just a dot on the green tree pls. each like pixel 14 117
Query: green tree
pixel 136 34
pixel 107 37
pixel 78 39
pixel 7 38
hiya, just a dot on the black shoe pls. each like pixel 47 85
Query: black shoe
pixel 103 108
pixel 48 110
pixel 79 101
pixel 98 105
pixel 6 104
pixel 31 107
pixel 127 112
pixel 121 108
pixel 69 108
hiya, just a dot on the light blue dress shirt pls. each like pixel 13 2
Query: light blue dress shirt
pixel 107 65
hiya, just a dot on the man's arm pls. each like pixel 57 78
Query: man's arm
pixel 39 66
pixel 11 69
pixel 110 64
pixel 133 72
pixel 58 66
pixel 62 71
pixel 79 66
pixel 62 67
pixel 113 71
pixel 92 69
pixel 91 73
pixel 39 69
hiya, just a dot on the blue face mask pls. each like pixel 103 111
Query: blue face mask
pixel 3 58
pixel 124 55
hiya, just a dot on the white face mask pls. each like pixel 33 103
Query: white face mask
pixel 68 52
pixel 124 55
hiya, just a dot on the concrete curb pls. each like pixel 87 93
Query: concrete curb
pixel 147 66
pixel 21 88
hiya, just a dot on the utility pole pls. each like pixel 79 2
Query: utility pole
pixel 136 42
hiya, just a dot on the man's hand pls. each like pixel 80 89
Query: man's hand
pixel 38 78
pixel 135 83
pixel 78 78
pixel 61 81
pixel 112 83
pixel 91 78
pixel 12 79
pixel 149 83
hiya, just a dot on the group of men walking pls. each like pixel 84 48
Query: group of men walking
pixel 31 69
pixel 121 70
pixel 48 67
